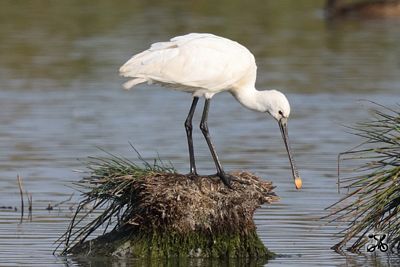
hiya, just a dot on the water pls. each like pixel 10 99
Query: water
pixel 61 98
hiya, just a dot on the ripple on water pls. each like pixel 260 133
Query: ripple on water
pixel 60 99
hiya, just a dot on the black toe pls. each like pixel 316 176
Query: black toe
pixel 226 179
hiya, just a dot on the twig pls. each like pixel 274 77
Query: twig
pixel 29 195
pixel 21 190
pixel 64 201
pixel 30 205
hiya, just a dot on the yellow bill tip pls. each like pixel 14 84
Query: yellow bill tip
pixel 298 182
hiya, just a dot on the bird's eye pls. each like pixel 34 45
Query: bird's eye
pixel 280 113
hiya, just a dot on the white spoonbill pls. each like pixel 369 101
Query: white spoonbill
pixel 204 64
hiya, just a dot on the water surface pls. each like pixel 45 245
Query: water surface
pixel 61 98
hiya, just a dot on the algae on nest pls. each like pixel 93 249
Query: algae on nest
pixel 141 244
pixel 158 213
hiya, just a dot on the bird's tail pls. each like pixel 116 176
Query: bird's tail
pixel 135 68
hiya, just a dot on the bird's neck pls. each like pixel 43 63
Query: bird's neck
pixel 251 98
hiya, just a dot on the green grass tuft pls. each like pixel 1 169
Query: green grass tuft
pixel 372 202
pixel 107 188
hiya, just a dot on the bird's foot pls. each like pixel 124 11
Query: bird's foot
pixel 192 174
pixel 226 179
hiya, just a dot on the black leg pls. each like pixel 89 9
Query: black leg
pixel 204 128
pixel 189 127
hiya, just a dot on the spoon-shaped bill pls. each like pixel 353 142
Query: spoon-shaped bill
pixel 283 127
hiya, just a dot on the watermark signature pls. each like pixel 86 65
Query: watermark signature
pixel 380 242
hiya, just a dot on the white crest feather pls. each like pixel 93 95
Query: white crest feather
pixel 131 83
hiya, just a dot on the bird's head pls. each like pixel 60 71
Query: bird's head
pixel 278 107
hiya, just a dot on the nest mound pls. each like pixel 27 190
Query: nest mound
pixel 166 214
pixel 181 203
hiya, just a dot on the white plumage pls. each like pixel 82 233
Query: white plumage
pixel 204 64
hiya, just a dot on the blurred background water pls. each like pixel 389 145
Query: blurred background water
pixel 61 98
